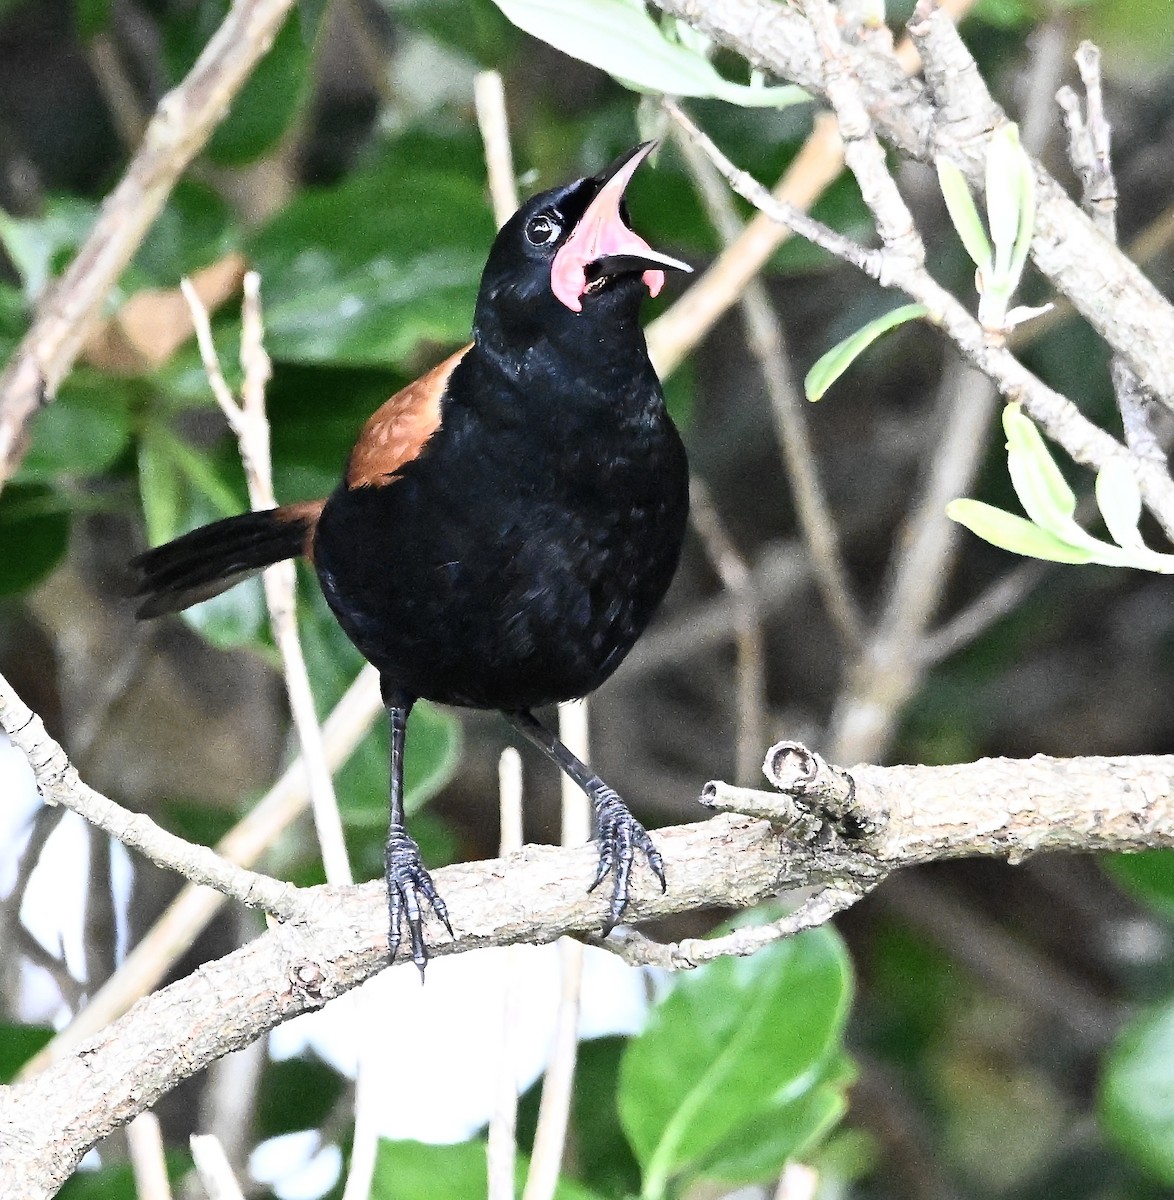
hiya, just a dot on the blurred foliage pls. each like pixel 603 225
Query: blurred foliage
pixel 370 238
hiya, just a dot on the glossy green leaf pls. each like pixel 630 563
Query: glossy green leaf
pixel 964 214
pixel 268 103
pixel 618 36
pixel 733 1041
pixel 1014 533
pixel 40 247
pixel 18 1043
pixel 1137 1092
pixel 760 1148
pixel 362 273
pixel 81 433
pixel 415 1171
pixel 34 534
pixel 1039 483
pixel 182 488
pixel 1147 875
pixel 1119 499
pixel 830 366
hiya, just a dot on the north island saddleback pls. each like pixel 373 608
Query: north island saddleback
pixel 508 523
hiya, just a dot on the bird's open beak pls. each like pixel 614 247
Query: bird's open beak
pixel 601 244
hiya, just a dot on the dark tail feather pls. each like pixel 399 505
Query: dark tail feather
pixel 209 560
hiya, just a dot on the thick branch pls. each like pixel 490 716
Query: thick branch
pixel 1110 291
pixel 997 807
pixel 181 126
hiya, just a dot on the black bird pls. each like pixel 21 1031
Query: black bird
pixel 508 523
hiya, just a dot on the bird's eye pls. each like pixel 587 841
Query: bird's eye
pixel 541 230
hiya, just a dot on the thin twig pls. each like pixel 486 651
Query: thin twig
pixel 501 1149
pixel 59 783
pixel 1089 150
pixel 554 1107
pixel 812 171
pixel 183 122
pixel 997 807
pixel 493 121
pixel 737 579
pixel 251 427
pixel 190 912
pixel 765 336
pixel 214 1169
pixel 144 1143
pixel 636 949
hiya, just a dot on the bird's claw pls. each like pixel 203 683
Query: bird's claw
pixel 620 836
pixel 408 883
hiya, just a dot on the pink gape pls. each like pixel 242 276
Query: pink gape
pixel 601 231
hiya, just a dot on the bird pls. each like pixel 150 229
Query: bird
pixel 506 525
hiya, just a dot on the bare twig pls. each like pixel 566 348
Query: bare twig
pixel 554 1108
pixel 912 118
pixel 501 1149
pixel 489 97
pixel 191 911
pixel 58 783
pixel 144 1141
pixel 1089 143
pixel 765 336
pixel 996 807
pixel 638 950
pixel 182 123
pixel 214 1169
pixel 738 580
pixel 249 423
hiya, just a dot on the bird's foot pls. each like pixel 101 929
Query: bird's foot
pixel 408 884
pixel 620 836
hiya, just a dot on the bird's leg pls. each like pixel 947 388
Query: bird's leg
pixel 620 834
pixel 407 880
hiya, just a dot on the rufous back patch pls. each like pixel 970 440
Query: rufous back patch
pixel 398 429
pixel 308 511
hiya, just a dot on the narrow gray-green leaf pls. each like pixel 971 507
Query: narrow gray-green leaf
pixel 1040 485
pixel 830 366
pixel 1013 533
pixel 964 215
pixel 1119 499
pixel 618 36
pixel 1004 180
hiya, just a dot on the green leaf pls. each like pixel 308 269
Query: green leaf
pixel 415 1171
pixel 830 366
pixel 1147 875
pixel 182 488
pixel 360 274
pixel 18 1043
pixel 1039 483
pixel 1010 532
pixel 1004 200
pixel 90 16
pixel 761 1147
pixel 40 247
pixel 1137 1092
pixel 81 433
pixel 268 103
pixel 619 37
pixel 733 1041
pixel 964 215
pixel 1119 499
pixel 34 534
pixel 296 1093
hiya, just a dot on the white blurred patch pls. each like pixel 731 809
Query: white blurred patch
pixel 296 1165
pixel 434 1050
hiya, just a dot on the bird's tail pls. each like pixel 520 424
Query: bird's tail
pixel 209 560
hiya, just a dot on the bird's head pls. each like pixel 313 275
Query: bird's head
pixel 569 258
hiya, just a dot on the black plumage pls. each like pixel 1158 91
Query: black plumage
pixel 506 525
